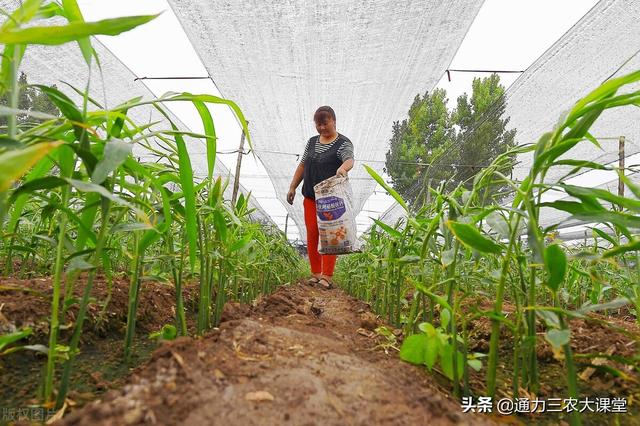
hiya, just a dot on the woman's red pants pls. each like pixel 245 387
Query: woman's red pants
pixel 320 263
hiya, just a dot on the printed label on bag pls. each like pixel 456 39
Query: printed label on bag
pixel 336 220
pixel 330 208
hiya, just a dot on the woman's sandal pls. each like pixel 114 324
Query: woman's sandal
pixel 325 283
pixel 313 281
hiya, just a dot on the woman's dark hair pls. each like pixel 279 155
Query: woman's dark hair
pixel 324 113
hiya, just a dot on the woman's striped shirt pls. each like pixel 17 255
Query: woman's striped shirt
pixel 344 153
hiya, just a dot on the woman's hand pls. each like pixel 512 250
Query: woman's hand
pixel 344 168
pixel 291 195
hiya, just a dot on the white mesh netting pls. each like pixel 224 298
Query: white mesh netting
pixel 281 60
pixel 603 44
pixel 595 49
pixel 53 65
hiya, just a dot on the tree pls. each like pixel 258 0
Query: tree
pixel 31 99
pixel 482 133
pixel 435 146
pixel 418 139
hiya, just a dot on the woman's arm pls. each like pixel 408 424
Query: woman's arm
pixel 345 153
pixel 344 169
pixel 297 178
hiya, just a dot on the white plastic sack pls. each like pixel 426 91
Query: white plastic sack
pixel 336 216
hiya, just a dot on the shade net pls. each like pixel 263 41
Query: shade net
pixel 115 84
pixel 281 60
pixel 603 44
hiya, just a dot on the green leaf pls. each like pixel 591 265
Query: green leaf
pixel 185 171
pixel 48 182
pixel 579 164
pixel 42 167
pixel 584 193
pixel 242 203
pixel 432 350
pixel 60 34
pixel 447 256
pixel 604 90
pixel 115 131
pixel 438 299
pixel 428 329
pixel 445 318
pixel 167 332
pixel 17 162
pixel 23 14
pixel 388 229
pixel 217 192
pixel 221 225
pixel 476 364
pixel 555 261
pixel 557 338
pixel 7 339
pixel 409 258
pixel 617 251
pixel 92 187
pixel 8 143
pixel 18 247
pixel 148 238
pixel 130 227
pixel 413 349
pixel 210 132
pixel 604 235
pixel 549 155
pixel 207 99
pixel 64 103
pixel 87 217
pixel 614 304
pixel 388 188
pixel 37 348
pixel 116 152
pixel 50 10
pixel 471 237
pixel 73 14
pixel 499 225
pixel 78 263
pixel 446 361
pixel 580 211
pixel 633 187
pixel 241 243
pixel 550 318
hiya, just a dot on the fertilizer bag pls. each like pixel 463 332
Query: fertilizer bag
pixel 336 216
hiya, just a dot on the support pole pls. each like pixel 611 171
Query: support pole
pixel 286 226
pixel 236 178
pixel 621 165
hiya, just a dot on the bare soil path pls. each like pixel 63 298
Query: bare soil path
pixel 301 356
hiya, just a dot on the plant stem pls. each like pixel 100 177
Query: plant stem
pixel 494 341
pixel 572 376
pixel 134 289
pixel 220 293
pixel 55 301
pixel 75 339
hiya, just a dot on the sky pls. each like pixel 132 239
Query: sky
pixel 506 35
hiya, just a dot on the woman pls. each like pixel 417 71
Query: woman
pixel 325 155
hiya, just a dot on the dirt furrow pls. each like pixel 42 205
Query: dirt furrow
pixel 301 356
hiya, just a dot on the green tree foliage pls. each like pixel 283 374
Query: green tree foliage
pixel 435 145
pixel 483 133
pixel 31 99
